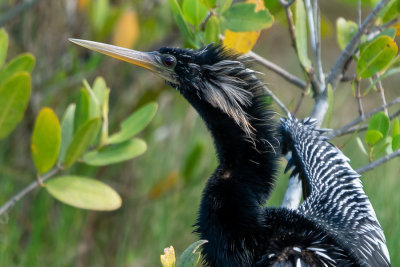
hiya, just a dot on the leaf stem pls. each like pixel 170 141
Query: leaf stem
pixel 378 162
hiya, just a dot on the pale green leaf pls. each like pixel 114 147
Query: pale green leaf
pixel 46 139
pixel 194 11
pixel 379 122
pixel 111 154
pixel 190 257
pixel 345 31
pixel 372 137
pixel 67 131
pixel 82 111
pixel 14 98
pixel 100 90
pixel 243 17
pixel 212 30
pixel 84 193
pixel 181 22
pixel 396 142
pixel 22 63
pixel 3 46
pixel 361 146
pixel 83 137
pixel 376 56
pixel 223 5
pixel 396 127
pixel 134 123
pixel 301 34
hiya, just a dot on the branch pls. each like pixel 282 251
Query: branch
pixel 278 70
pixel 360 119
pixel 336 71
pixel 380 161
pixel 379 86
pixel 12 201
pixel 277 101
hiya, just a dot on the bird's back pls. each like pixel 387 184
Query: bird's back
pixel 334 201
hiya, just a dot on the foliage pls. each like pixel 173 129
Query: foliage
pixel 189 258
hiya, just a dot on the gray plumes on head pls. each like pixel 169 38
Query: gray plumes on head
pixel 231 87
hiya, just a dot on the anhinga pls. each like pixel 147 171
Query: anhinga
pixel 335 225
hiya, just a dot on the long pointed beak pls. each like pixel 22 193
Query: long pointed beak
pixel 148 60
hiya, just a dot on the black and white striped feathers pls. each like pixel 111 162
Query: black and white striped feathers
pixel 334 199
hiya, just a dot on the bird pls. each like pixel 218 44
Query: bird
pixel 334 226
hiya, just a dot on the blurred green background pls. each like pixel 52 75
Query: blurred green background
pixel 161 189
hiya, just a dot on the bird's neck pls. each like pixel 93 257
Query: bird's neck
pixel 232 202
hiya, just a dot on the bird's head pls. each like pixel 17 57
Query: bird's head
pixel 212 74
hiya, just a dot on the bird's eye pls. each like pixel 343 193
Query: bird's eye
pixel 169 61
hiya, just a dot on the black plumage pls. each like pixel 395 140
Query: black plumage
pixel 248 140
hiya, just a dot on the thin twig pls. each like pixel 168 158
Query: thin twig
pixel 205 20
pixel 277 101
pixel 377 29
pixel 278 70
pixel 358 97
pixel 337 70
pixel 360 119
pixel 378 162
pixel 13 200
pixel 359 14
pixel 312 12
pixel 382 94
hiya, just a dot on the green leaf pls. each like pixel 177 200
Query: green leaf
pixel 111 154
pixel 94 104
pixel 67 131
pixel 396 142
pixel 361 146
pixel 22 63
pixel 192 161
pixel 99 12
pixel 345 31
pixel 190 257
pixel 209 3
pixel 14 98
pixel 46 139
pixel 223 5
pixel 182 24
pixel 82 111
pixel 242 17
pixel 396 127
pixel 100 90
pixel 376 56
pixel 379 122
pixel 81 141
pixel 372 137
pixel 194 11
pixel 134 123
pixel 301 34
pixel 212 30
pixel 3 46
pixel 391 11
pixel 84 193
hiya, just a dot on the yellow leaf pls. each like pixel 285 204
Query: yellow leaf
pixel 126 31
pixel 243 42
pixel 168 259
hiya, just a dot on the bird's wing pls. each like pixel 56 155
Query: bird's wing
pixel 335 199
